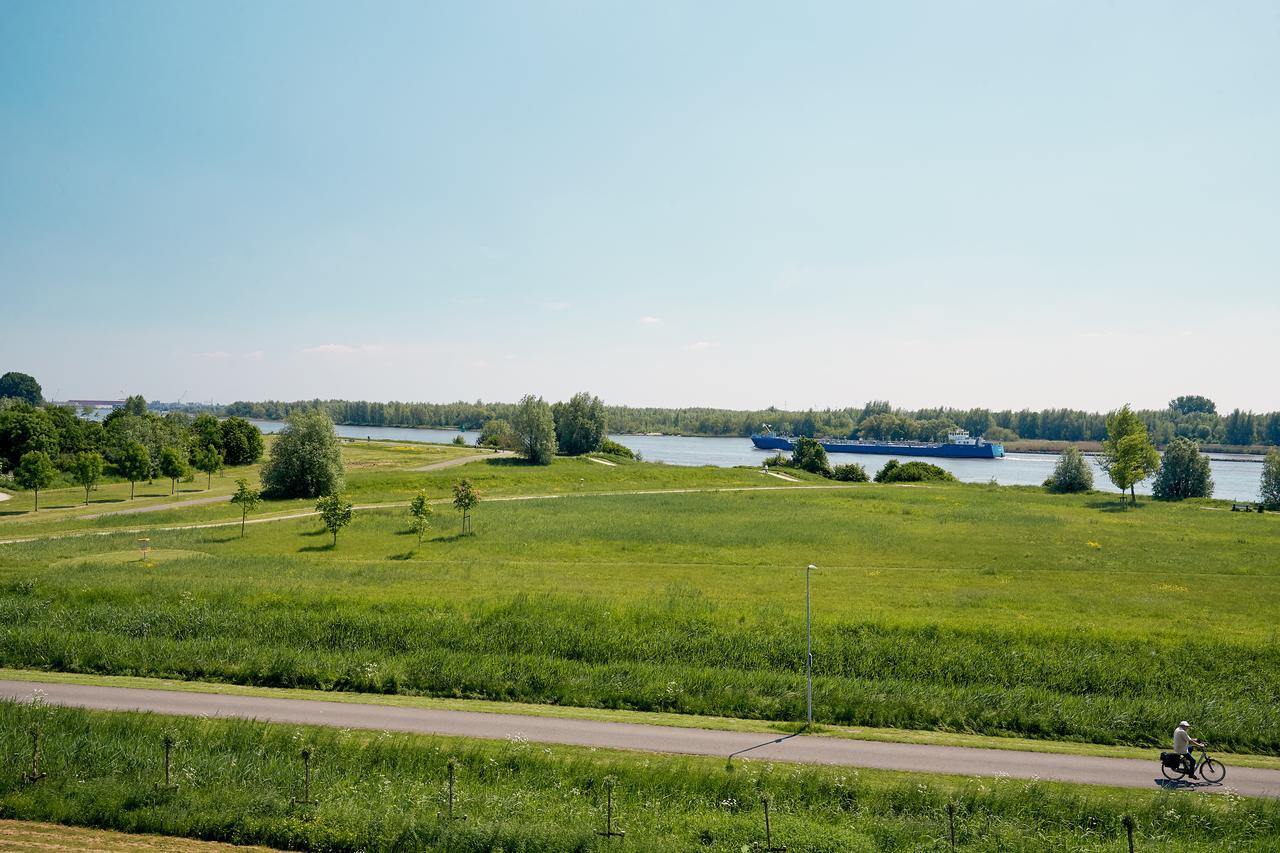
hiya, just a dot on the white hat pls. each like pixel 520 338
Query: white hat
pixel 1184 725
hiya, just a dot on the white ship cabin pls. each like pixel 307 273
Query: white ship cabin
pixel 961 436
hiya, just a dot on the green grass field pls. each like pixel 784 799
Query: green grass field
pixel 377 791
pixel 1000 611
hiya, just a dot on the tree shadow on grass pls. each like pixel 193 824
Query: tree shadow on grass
pixel 215 540
pixel 407 555
pixel 1113 506
pixel 511 462
pixel 452 537
pixel 320 532
pixel 328 546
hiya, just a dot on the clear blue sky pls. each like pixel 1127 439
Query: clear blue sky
pixel 1022 204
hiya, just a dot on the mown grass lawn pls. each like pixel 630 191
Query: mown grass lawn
pixel 968 608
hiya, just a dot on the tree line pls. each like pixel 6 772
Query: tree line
pixel 41 442
pixel 1190 416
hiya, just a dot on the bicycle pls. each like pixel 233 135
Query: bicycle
pixel 1176 765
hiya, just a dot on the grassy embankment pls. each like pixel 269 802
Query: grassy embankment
pixel 376 791
pixel 998 611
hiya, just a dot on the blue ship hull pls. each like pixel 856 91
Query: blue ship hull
pixel 985 450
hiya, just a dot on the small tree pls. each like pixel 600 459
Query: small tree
pixel 1071 474
pixel 1270 491
pixel 134 464
pixel 1128 456
pixel 808 455
pixel 208 461
pixel 335 512
pixel 1184 472
pixel 35 471
pixel 248 498
pixel 465 497
pixel 86 471
pixel 21 386
pixel 535 430
pixel 174 466
pixel 420 515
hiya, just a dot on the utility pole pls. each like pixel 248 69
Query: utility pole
pixel 808 625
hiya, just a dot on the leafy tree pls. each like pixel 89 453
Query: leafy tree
pixel 497 432
pixel 1128 456
pixel 851 473
pixel 23 429
pixel 248 499
pixel 35 471
pixel 1270 490
pixel 535 430
pixel 465 498
pixel 134 464
pixel 305 458
pixel 459 440
pixel 135 405
pixel 580 424
pixel 205 431
pixel 1184 472
pixel 1241 428
pixel 1189 404
pixel 420 514
pixel 87 470
pixel 21 386
pixel 1071 474
pixel 173 465
pixel 207 461
pixel 241 442
pixel 914 471
pixel 335 512
pixel 807 454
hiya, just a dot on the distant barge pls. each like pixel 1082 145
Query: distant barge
pixel 959 445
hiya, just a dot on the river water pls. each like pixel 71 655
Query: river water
pixel 1234 478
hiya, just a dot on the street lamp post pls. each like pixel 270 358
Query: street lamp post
pixel 808 627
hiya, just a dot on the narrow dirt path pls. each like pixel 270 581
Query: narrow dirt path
pixel 601 461
pixel 462 460
pixel 802 749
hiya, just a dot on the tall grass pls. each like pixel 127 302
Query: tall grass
pixel 683 655
pixel 386 792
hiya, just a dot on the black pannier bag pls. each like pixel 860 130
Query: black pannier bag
pixel 1172 760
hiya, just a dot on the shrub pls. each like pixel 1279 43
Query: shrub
pixel 1184 472
pixel 777 460
pixel 1071 474
pixel 914 471
pixel 612 448
pixel 851 473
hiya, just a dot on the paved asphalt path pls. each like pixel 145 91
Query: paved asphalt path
pixel 963 761
pixel 216 499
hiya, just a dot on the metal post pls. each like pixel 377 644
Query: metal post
pixel 808 624
pixel 951 820
pixel 609 832
pixel 768 831
pixel 1128 827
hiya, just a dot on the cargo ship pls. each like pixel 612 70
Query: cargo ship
pixel 959 445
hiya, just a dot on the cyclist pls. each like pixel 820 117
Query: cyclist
pixel 1182 743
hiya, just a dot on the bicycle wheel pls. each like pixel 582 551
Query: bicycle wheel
pixel 1173 774
pixel 1212 770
